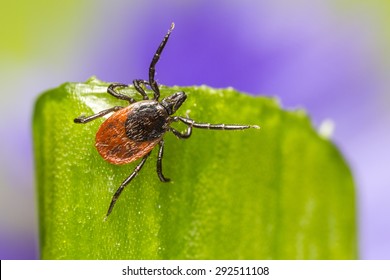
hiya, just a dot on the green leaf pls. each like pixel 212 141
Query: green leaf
pixel 281 192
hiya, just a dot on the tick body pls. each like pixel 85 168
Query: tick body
pixel 132 132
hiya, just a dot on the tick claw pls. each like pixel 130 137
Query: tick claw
pixel 79 119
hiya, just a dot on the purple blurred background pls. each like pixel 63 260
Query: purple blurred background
pixel 330 57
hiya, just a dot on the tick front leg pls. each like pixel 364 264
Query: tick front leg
pixel 137 84
pixel 182 135
pixel 125 183
pixel 178 134
pixel 156 57
pixel 159 162
pixel 221 126
pixel 98 115
pixel 111 90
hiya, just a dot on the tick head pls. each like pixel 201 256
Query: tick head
pixel 173 102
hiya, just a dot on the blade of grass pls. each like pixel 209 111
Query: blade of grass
pixel 281 192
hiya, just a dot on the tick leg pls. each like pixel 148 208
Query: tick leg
pixel 125 183
pixel 159 162
pixel 222 126
pixel 182 135
pixel 98 115
pixel 137 84
pixel 111 90
pixel 156 57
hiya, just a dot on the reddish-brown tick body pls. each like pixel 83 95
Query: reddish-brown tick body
pixel 132 132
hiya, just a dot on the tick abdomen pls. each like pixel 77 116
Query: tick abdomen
pixel 131 132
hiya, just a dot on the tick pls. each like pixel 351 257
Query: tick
pixel 132 132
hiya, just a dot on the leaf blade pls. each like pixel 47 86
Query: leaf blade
pixel 281 192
